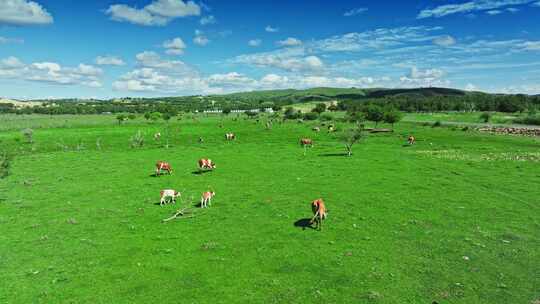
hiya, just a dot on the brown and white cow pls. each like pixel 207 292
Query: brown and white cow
pixel 161 165
pixel 319 212
pixel 205 163
pixel 157 136
pixel 331 129
pixel 304 142
pixel 230 136
pixel 316 129
pixel 168 195
pixel 411 140
pixel 206 198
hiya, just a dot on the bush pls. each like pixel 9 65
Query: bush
pixel 529 120
pixel 485 117
pixel 319 108
pixel 5 164
pixel 132 116
pixel 310 116
pixel 437 124
pixel 326 117
pixel 291 113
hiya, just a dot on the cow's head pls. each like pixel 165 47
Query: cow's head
pixel 177 194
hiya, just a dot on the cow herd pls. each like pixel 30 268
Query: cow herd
pixel 318 206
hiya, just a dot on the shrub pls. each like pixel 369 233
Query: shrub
pixel 291 113
pixel 121 118
pixel 485 117
pixel 319 108
pixel 311 116
pixel 29 135
pixel 437 124
pixel 5 164
pixel 466 128
pixel 137 140
pixel 326 117
pixel 132 116
pixel 528 120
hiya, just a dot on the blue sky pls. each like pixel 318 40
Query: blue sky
pixel 115 48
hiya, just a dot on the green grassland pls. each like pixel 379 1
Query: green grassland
pixel 452 219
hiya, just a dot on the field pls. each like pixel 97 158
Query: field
pixel 452 219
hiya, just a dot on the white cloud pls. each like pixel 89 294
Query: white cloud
pixel 445 40
pixel 208 20
pixel 290 42
pixel 23 12
pixel 157 13
pixel 530 45
pixel 4 40
pixel 200 38
pixel 292 60
pixel 51 72
pixel 513 9
pixel 355 11
pixel 536 4
pixel 270 29
pixel 175 46
pixel 469 7
pixel 109 60
pixel 255 42
pixel 494 12
pixel 471 87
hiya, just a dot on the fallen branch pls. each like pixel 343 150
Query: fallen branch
pixel 179 214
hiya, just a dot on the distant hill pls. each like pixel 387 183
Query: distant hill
pixel 328 94
pixel 18 103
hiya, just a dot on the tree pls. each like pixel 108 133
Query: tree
pixel 121 118
pixel 291 113
pixel 352 136
pixel 226 111
pixel 276 108
pixel 392 116
pixel 333 108
pixel 155 116
pixel 147 115
pixel 319 108
pixel 374 113
pixel 132 116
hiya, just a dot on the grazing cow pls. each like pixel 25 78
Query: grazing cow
pixel 304 142
pixel 205 163
pixel 319 212
pixel 201 140
pixel 411 140
pixel 157 136
pixel 168 195
pixel 161 165
pixel 206 198
pixel 316 129
pixel 230 136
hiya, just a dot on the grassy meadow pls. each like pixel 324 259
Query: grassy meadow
pixel 452 219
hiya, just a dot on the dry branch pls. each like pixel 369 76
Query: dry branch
pixel 179 214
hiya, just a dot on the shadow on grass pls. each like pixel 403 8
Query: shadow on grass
pixel 334 154
pixel 158 175
pixel 200 172
pixel 303 223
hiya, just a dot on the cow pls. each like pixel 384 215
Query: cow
pixel 411 140
pixel 205 163
pixel 168 195
pixel 201 140
pixel 304 142
pixel 319 213
pixel 206 198
pixel 157 136
pixel 316 129
pixel 230 136
pixel 161 165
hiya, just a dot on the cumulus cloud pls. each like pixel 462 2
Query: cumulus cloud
pixel 355 11
pixel 51 72
pixel 175 46
pixel 445 40
pixel 157 13
pixel 493 12
pixel 290 42
pixel 271 29
pixel 255 42
pixel 23 12
pixel 109 60
pixel 208 20
pixel 293 61
pixel 200 38
pixel 469 7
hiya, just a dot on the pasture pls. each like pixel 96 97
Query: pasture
pixel 454 218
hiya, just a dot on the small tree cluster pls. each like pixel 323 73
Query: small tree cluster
pixel 352 136
pixel 137 140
